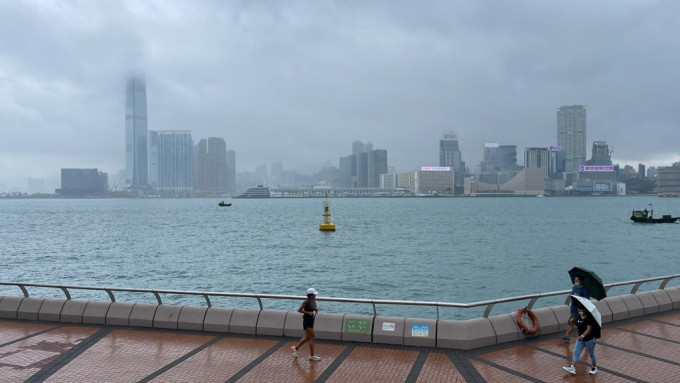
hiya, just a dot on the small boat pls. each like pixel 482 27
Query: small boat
pixel 222 203
pixel 646 216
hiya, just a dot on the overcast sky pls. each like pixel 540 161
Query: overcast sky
pixel 298 81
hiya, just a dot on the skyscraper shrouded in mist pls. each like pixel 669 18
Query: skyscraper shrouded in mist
pixel 136 155
pixel 212 166
pixel 450 155
pixel 571 135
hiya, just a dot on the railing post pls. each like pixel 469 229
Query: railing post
pixel 207 299
pixel 259 302
pixel 488 309
pixel 635 288
pixel 66 293
pixel 375 312
pixel 664 283
pixel 113 299
pixel 23 290
pixel 158 298
pixel 531 303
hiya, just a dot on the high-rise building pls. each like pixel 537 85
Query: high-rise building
pixel 345 180
pixel 362 170
pixel 537 158
pixel 450 155
pixel 571 135
pixel 211 166
pixel 171 164
pixel 358 147
pixel 136 157
pixel 83 182
pixel 231 171
pixel 377 165
pixel 600 154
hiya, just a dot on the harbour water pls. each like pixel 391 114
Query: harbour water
pixel 426 249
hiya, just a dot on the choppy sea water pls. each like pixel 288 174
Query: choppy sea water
pixel 426 249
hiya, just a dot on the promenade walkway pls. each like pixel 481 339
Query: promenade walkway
pixel 644 349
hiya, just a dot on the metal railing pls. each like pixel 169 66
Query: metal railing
pixel 489 304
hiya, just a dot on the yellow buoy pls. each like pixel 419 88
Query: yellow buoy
pixel 326 225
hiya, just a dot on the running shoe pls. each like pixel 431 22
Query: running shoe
pixel 295 351
pixel 570 369
pixel 593 371
pixel 314 357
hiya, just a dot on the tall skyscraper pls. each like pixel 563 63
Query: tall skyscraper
pixel 600 154
pixel 171 165
pixel 211 166
pixel 231 171
pixel 450 155
pixel 538 158
pixel 377 165
pixel 358 147
pixel 136 156
pixel 571 135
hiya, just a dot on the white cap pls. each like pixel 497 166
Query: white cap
pixel 312 291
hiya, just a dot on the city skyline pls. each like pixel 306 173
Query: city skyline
pixel 297 83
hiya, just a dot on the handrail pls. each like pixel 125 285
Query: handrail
pixel 489 304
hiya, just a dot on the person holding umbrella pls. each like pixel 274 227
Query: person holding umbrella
pixel 579 290
pixel 589 325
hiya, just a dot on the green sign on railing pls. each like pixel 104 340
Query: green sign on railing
pixel 362 326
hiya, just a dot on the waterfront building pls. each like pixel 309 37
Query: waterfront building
pixel 345 180
pixel 451 156
pixel 388 181
pixel 571 135
pixel 358 147
pixel 362 170
pixel 528 181
pixel 83 182
pixel 406 181
pixel 557 160
pixel 538 158
pixel 171 164
pixel 211 167
pixel 136 155
pixel 377 165
pixel 641 171
pixel 651 172
pixel 668 178
pixel 434 180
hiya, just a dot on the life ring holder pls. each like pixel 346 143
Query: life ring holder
pixel 519 316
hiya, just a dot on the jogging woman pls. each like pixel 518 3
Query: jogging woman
pixel 308 310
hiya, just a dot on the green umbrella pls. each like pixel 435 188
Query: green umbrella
pixel 591 281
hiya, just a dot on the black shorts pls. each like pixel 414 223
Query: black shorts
pixel 307 322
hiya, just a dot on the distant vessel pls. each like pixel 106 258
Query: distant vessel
pixel 326 225
pixel 645 216
pixel 222 203
pixel 669 195
pixel 257 192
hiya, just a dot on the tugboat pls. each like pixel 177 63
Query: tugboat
pixel 646 216
pixel 326 225
pixel 222 203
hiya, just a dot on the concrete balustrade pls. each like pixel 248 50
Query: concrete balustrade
pixel 217 319
pixel 29 307
pixel 167 316
pixel 389 330
pixel 673 293
pixel 73 311
pixel 192 318
pixel 244 321
pixel 635 308
pixel 271 322
pixel 9 306
pixel 463 335
pixel 119 314
pixel 50 310
pixel 505 327
pixel 142 315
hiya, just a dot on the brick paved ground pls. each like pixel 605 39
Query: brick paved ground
pixel 640 350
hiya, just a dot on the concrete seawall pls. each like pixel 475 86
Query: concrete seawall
pixel 461 335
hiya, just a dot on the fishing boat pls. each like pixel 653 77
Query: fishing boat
pixel 646 216
pixel 222 203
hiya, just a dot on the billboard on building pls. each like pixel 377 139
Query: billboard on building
pixel 605 168
pixel 435 168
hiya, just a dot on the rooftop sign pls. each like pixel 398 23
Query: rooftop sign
pixel 555 148
pixel 606 168
pixel 435 168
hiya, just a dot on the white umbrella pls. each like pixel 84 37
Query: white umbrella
pixel 590 307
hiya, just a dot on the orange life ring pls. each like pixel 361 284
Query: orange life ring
pixel 520 322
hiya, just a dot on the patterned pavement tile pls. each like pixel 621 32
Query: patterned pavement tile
pixel 369 364
pixel 282 367
pixel 11 331
pixel 218 362
pixel 127 356
pixel 21 360
pixel 439 369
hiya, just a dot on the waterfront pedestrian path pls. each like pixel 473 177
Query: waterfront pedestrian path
pixel 643 349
